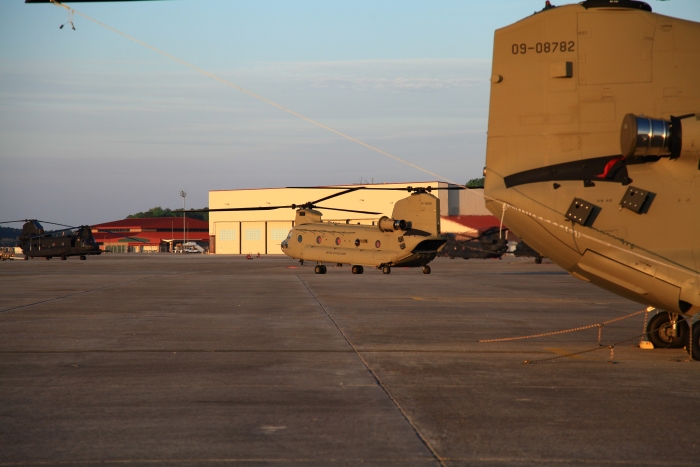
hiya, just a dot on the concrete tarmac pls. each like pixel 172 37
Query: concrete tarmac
pixel 218 360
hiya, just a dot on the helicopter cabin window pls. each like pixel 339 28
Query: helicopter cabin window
pixel 337 240
pixel 300 238
pixel 377 244
pixel 318 239
pixel 357 242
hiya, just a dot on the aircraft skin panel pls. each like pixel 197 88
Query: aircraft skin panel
pixel 553 105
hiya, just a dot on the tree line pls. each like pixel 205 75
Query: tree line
pixel 167 212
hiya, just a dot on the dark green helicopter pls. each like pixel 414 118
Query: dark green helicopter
pixel 72 241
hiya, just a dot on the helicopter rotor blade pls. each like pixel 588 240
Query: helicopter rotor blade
pixel 347 210
pixel 56 223
pixel 259 208
pixel 407 188
pixel 345 191
pixel 14 222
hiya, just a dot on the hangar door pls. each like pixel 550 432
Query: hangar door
pixel 228 241
pixel 253 238
pixel 276 232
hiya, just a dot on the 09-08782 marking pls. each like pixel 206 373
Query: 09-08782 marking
pixel 543 47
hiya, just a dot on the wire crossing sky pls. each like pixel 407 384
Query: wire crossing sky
pixel 93 127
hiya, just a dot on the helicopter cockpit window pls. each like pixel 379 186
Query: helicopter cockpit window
pixel 289 235
pixel 300 238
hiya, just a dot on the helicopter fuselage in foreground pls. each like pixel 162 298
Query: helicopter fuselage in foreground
pixel 594 146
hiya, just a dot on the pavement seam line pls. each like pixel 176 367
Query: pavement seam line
pixel 403 413
pixel 78 293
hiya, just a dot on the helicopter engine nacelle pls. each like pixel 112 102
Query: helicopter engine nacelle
pixel 387 224
pixel 644 136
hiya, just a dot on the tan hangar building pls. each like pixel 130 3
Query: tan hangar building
pixel 253 232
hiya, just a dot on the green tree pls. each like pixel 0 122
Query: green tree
pixel 476 182
pixel 167 212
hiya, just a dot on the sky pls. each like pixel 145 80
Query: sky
pixel 94 127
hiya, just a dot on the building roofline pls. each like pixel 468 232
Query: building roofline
pixel 344 185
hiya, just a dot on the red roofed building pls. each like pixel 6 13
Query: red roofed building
pixel 150 235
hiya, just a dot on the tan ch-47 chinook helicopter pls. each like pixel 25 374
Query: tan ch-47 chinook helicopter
pixel 410 238
pixel 593 151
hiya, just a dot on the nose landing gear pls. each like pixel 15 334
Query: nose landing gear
pixel 358 269
pixel 320 269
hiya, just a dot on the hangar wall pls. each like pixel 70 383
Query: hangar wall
pixel 253 232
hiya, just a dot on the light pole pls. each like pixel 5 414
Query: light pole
pixel 183 193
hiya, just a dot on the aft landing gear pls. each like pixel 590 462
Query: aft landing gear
pixel 48 258
pixel 83 257
pixel 26 258
pixel 320 269
pixel 64 257
pixel 386 270
pixel 662 334
pixel 358 269
pixel 426 269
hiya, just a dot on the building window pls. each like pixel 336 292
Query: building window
pixel 252 234
pixel 227 234
pixel 278 234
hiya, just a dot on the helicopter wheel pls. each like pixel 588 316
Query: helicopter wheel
pixel 386 270
pixel 358 269
pixel 83 257
pixel 320 269
pixel 426 269
pixel 64 257
pixel 696 342
pixel 660 331
pixel 26 258
pixel 48 258
pixel 538 260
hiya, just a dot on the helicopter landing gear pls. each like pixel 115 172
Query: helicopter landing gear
pixel 358 269
pixel 48 258
pixel 64 257
pixel 696 342
pixel 301 261
pixel 26 258
pixel 538 260
pixel 83 257
pixel 320 269
pixel 661 333
pixel 426 269
pixel 386 270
